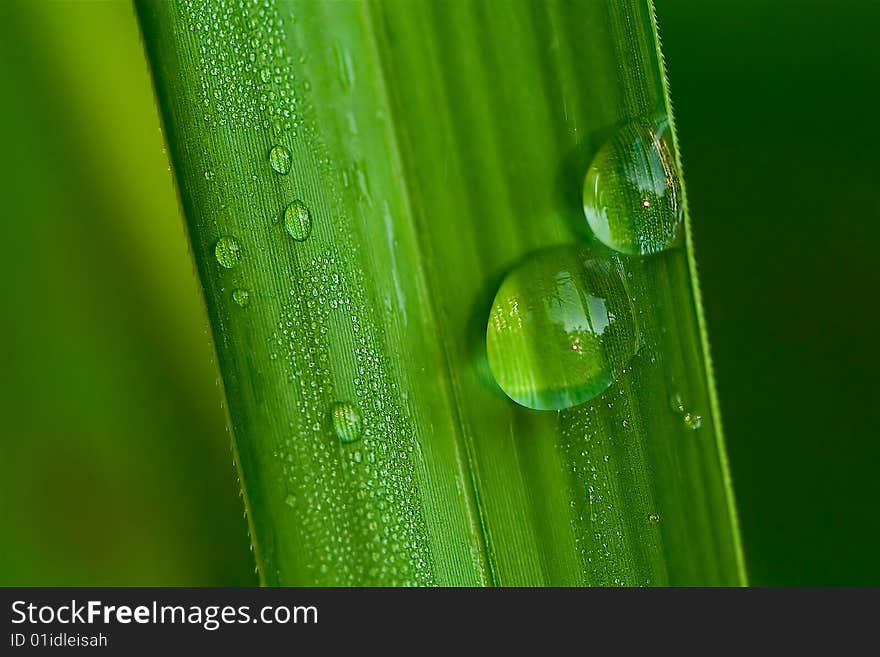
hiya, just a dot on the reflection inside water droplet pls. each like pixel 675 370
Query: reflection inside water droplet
pixel 279 159
pixel 241 297
pixel 298 220
pixel 692 421
pixel 228 252
pixel 632 193
pixel 676 403
pixel 347 422
pixel 561 328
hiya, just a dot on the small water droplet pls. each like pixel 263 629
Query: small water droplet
pixel 561 328
pixel 347 422
pixel 654 517
pixel 676 403
pixel 209 175
pixel 228 252
pixel 279 159
pixel 298 220
pixel 277 126
pixel 290 501
pixel 242 297
pixel 632 193
pixel 692 421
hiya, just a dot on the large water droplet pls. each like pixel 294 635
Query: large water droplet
pixel 298 220
pixel 561 328
pixel 279 159
pixel 632 193
pixel 227 252
pixel 347 422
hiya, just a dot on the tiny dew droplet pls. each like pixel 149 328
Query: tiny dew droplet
pixel 279 159
pixel 298 220
pixel 209 175
pixel 290 501
pixel 654 517
pixel 277 126
pixel 227 252
pixel 561 328
pixel 676 403
pixel 241 297
pixel 692 421
pixel 347 422
pixel 632 192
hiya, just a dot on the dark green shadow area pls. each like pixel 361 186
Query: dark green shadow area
pixel 776 108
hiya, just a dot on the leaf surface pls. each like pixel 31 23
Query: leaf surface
pixel 435 146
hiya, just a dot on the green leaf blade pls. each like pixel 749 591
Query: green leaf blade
pixel 435 146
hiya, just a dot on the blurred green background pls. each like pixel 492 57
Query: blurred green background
pixel 776 104
pixel 116 468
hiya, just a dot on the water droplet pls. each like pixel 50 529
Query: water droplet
pixel 277 126
pixel 632 193
pixel 209 175
pixel 561 328
pixel 279 159
pixel 654 517
pixel 228 252
pixel 676 403
pixel 347 422
pixel 692 421
pixel 298 220
pixel 290 501
pixel 242 297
